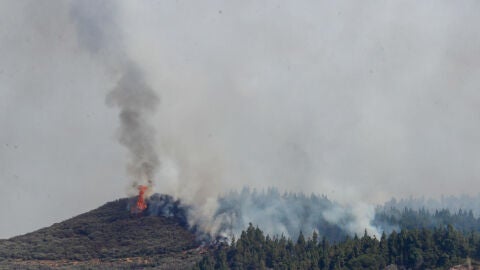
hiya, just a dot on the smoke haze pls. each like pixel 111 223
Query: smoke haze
pixel 289 214
pixel 358 101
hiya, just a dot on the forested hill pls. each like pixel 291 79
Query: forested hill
pixel 110 237
pixel 105 238
pixel 439 248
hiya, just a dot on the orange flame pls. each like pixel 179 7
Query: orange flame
pixel 141 204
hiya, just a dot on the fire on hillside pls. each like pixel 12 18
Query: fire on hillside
pixel 140 205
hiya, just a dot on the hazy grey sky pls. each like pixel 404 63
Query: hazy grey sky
pixel 356 100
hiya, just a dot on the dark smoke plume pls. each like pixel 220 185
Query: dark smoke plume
pixel 98 33
pixel 136 101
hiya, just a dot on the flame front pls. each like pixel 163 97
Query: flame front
pixel 141 204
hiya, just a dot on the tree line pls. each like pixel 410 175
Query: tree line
pixel 408 218
pixel 425 248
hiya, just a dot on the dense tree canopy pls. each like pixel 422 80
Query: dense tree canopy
pixel 413 249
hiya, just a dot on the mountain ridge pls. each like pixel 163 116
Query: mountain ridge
pixel 106 237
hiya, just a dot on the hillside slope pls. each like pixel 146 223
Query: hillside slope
pixel 107 237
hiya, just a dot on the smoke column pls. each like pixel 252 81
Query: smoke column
pixel 98 33
pixel 136 101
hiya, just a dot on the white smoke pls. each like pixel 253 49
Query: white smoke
pixel 360 101
pixel 289 214
pixel 285 108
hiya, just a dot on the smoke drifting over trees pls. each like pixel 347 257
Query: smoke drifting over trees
pixel 290 214
pixel 358 101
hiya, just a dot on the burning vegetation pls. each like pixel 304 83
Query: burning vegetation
pixel 141 204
